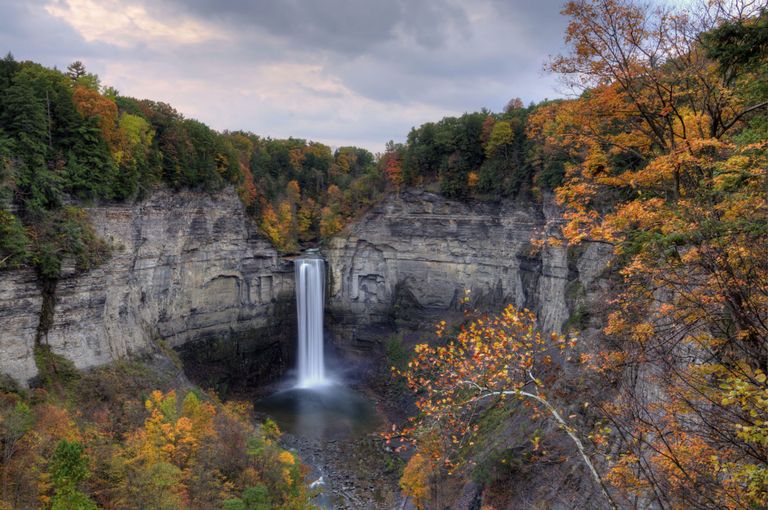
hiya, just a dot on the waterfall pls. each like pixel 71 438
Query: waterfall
pixel 310 293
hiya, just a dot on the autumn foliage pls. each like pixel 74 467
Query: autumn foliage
pixel 164 452
pixel 667 162
pixel 498 361
pixel 664 156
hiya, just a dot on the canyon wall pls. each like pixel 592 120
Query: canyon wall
pixel 186 268
pixel 191 269
pixel 412 257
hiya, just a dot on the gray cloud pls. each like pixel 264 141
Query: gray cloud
pixel 342 71
pixel 349 27
pixel 28 32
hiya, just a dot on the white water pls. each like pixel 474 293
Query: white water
pixel 310 294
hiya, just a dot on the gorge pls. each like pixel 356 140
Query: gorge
pixel 542 302
pixel 191 270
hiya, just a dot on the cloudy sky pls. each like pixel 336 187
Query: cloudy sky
pixel 343 72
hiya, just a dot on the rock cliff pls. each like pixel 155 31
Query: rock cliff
pixel 411 258
pixel 186 267
pixel 191 269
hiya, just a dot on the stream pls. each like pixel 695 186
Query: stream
pixel 334 429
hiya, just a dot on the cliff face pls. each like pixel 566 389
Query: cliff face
pixel 412 257
pixel 186 267
pixel 191 269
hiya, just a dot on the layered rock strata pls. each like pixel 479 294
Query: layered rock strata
pixel 414 258
pixel 186 267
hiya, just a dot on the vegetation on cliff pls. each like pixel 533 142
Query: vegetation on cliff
pixel 65 139
pixel 665 157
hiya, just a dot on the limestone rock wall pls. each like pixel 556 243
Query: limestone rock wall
pixel 20 304
pixel 186 267
pixel 412 257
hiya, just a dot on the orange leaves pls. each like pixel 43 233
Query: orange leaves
pixel 287 458
pixel 393 168
pixel 472 180
pixel 90 103
pixel 686 211
pixel 493 356
pixel 247 191
pixel 293 192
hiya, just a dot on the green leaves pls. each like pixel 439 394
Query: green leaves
pixel 69 467
pixel 14 243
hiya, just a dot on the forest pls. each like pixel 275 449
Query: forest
pixel 661 153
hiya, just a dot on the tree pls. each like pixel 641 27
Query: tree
pixel 270 225
pixel 493 361
pixel 69 467
pixel 330 222
pixel 653 57
pixel 91 104
pixel 668 166
pixel 15 423
pixel 254 498
pixel 80 77
pixel 76 70
pixel 416 479
pixel 513 104
pixel 287 225
pixel 136 137
pixel 739 43
pixel 500 138
pixel 14 242
pixel 308 218
pixel 392 166
pixel 293 192
pixel 26 118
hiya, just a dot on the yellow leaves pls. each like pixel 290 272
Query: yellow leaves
pixel 270 224
pixel 297 157
pixel 494 355
pixel 416 479
pixel 287 478
pixel 287 457
pixel 330 222
pixel 643 331
pixel 155 398
pixel 472 180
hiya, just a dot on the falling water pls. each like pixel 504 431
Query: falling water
pixel 310 290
